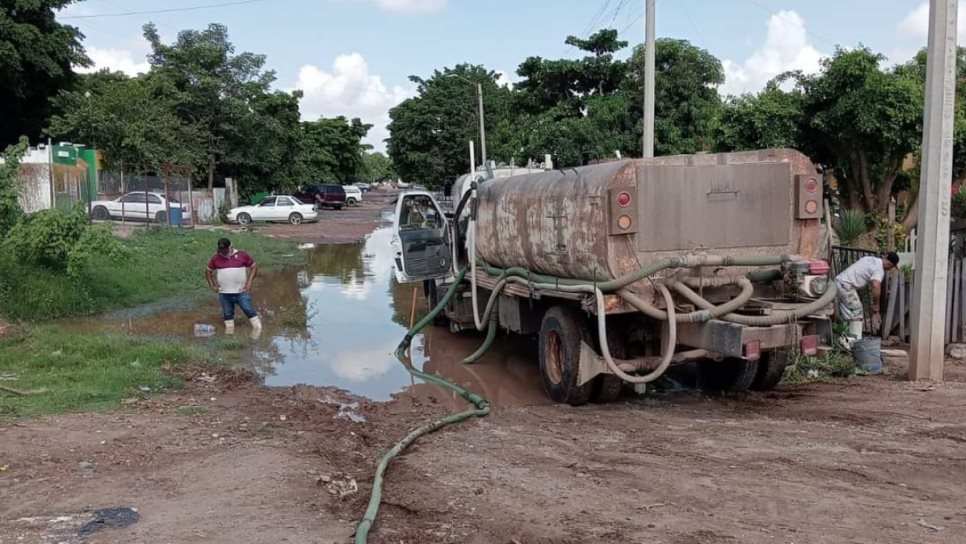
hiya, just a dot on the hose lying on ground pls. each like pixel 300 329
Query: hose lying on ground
pixel 480 408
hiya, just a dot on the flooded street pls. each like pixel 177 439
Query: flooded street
pixel 337 321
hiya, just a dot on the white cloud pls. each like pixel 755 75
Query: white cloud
pixel 410 6
pixel 786 48
pixel 505 79
pixel 916 23
pixel 117 60
pixel 350 90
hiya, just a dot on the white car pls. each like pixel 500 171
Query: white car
pixel 275 208
pixel 139 205
pixel 353 195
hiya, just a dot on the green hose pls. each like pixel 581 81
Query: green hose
pixel 480 408
pixel 687 261
pixel 487 342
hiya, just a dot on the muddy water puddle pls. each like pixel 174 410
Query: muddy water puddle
pixel 335 323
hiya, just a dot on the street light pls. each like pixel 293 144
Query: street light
pixel 479 97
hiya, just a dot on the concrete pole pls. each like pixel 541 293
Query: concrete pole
pixel 479 96
pixel 932 254
pixel 649 79
pixel 472 162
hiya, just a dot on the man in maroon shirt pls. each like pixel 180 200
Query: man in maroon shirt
pixel 230 273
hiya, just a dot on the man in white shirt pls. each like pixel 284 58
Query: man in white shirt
pixel 863 272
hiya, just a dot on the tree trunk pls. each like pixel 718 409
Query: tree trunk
pixel 912 216
pixel 866 181
pixel 211 164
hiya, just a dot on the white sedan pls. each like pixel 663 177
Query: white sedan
pixel 274 208
pixel 139 205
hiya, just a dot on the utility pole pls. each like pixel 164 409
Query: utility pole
pixel 479 95
pixel 649 79
pixel 932 253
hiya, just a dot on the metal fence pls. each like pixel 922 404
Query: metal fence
pixel 141 195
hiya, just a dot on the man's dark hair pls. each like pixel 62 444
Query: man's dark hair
pixel 893 258
pixel 224 243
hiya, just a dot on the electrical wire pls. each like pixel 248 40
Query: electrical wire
pixel 165 10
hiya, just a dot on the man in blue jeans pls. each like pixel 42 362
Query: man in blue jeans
pixel 230 273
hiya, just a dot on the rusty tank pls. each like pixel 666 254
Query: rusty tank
pixel 603 221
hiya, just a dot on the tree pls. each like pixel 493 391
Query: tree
pixel 36 56
pixel 377 167
pixel 770 119
pixel 332 150
pixel 430 132
pixel 10 211
pixel 686 100
pixel 131 119
pixel 861 122
pixel 216 91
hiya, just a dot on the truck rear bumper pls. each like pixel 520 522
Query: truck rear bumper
pixel 731 339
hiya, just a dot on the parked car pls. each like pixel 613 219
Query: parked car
pixel 275 208
pixel 353 195
pixel 364 187
pixel 323 195
pixel 137 206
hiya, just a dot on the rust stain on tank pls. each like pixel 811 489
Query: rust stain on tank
pixel 558 223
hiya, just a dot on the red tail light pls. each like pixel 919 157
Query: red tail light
pixel 623 199
pixel 811 185
pixel 818 268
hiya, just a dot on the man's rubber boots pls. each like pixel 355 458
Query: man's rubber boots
pixel 256 323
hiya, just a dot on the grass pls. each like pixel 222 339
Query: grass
pixel 833 364
pixel 192 411
pixel 68 372
pixel 161 263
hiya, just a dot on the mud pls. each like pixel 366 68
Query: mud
pixel 350 224
pixel 226 460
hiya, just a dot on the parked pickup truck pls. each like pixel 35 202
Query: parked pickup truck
pixel 323 195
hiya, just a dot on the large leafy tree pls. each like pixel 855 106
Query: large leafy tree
pixel 221 93
pixel 332 150
pixel 377 167
pixel 430 132
pixel 861 121
pixel 770 119
pixel 36 55
pixel 131 119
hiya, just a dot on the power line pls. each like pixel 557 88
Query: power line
pixel 166 10
pixel 633 22
pixel 596 18
pixel 697 32
pixel 766 9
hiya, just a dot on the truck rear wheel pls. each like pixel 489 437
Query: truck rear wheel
pixel 732 375
pixel 561 333
pixel 771 368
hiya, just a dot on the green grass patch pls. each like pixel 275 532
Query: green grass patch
pixel 833 364
pixel 231 343
pixel 192 411
pixel 161 263
pixel 67 372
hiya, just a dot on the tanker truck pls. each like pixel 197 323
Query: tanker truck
pixel 625 268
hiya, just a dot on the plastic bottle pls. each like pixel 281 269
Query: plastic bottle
pixel 203 329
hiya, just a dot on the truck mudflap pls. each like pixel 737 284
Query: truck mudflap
pixel 722 339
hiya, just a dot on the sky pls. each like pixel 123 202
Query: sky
pixel 354 57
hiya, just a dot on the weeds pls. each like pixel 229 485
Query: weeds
pixel 192 411
pixel 159 263
pixel 231 343
pixel 832 364
pixel 68 372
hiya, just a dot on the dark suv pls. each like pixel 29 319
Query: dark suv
pixel 323 195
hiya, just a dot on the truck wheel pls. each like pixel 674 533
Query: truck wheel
pixel 732 375
pixel 561 332
pixel 771 368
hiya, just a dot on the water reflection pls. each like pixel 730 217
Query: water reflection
pixel 336 323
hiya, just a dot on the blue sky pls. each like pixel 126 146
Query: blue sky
pixel 353 57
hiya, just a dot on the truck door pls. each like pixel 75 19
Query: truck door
pixel 420 241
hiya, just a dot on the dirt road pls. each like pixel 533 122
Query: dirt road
pixel 227 460
pixel 350 224
pixel 860 460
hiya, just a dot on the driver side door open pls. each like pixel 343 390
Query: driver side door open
pixel 421 246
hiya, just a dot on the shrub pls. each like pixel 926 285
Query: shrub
pixel 850 226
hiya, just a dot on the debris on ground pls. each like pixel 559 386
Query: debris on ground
pixel 338 484
pixel 956 351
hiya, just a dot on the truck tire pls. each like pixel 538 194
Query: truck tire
pixel 732 375
pixel 561 332
pixel 771 368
